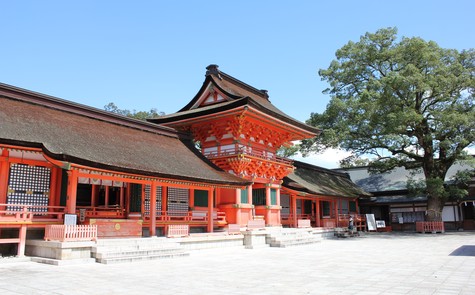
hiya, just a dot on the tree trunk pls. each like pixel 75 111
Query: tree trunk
pixel 434 208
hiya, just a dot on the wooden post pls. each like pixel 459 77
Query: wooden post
pixel 238 203
pixel 153 210
pixel 72 192
pixel 210 210
pixel 317 209
pixel 336 213
pixel 22 238
pixel 294 209
pixel 93 195
pixel 268 203
pixel 106 196
pixel 192 198
pixel 277 195
pixel 165 207
pixel 4 169
pixel 121 196
pixel 53 186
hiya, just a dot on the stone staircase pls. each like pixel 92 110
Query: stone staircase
pixel 286 237
pixel 109 251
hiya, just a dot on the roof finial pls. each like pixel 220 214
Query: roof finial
pixel 265 93
pixel 212 69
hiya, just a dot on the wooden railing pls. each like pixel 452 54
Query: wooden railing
pixel 178 230
pixel 71 233
pixel 430 226
pixel 102 212
pixel 189 216
pixel 249 151
pixel 18 213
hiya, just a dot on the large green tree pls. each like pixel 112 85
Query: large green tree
pixel 406 103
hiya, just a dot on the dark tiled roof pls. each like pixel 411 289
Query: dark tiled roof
pixel 315 180
pixel 395 179
pixel 70 132
pixel 241 94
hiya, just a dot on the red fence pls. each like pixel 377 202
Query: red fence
pixel 430 226
pixel 69 233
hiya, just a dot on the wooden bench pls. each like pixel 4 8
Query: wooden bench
pixel 256 224
pixel 178 230
pixel 234 229
pixel 303 223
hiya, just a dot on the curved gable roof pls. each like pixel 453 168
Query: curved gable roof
pixel 82 135
pixel 316 180
pixel 239 93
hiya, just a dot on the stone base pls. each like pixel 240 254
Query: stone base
pixel 59 250
pixel 255 239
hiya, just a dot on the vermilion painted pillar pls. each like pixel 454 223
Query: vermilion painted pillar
pixel 336 213
pixel 4 169
pixel 317 209
pixel 53 186
pixel 238 203
pixel 192 198
pixel 72 192
pixel 21 245
pixel 268 204
pixel 277 195
pixel 210 210
pixel 165 206
pixel 153 210
pixel 294 209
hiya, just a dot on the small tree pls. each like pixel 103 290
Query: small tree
pixel 407 103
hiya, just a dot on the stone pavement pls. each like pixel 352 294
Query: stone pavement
pixel 376 263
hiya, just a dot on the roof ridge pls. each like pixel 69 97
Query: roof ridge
pixel 213 69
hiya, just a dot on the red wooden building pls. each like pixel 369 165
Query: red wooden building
pixel 62 160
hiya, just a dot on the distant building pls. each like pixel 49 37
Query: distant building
pixel 392 202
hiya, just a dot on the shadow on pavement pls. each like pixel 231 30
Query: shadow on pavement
pixel 465 250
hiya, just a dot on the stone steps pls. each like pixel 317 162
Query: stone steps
pixel 108 251
pixel 291 237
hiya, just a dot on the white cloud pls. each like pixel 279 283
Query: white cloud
pixel 329 159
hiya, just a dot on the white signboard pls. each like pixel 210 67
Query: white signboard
pixel 380 224
pixel 370 222
pixel 70 219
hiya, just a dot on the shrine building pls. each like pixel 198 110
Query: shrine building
pixel 212 164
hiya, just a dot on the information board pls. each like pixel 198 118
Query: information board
pixel 370 222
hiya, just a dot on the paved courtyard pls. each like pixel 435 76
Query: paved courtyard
pixel 376 263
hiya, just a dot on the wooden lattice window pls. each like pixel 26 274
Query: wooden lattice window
pixel 29 185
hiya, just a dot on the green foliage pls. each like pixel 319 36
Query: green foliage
pixel 140 115
pixel 405 103
pixel 288 151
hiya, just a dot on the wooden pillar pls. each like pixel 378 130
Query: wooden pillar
pixel 336 213
pixel 121 196
pixel 210 210
pixel 238 203
pixel 106 196
pixel 294 209
pixel 277 196
pixel 165 207
pixel 191 202
pixel 268 203
pixel 317 209
pixel 72 191
pixel 94 195
pixel 53 186
pixel 142 201
pixel 4 170
pixel 127 199
pixel 153 210
pixel 22 243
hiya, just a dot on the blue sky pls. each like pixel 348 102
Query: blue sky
pixel 152 54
